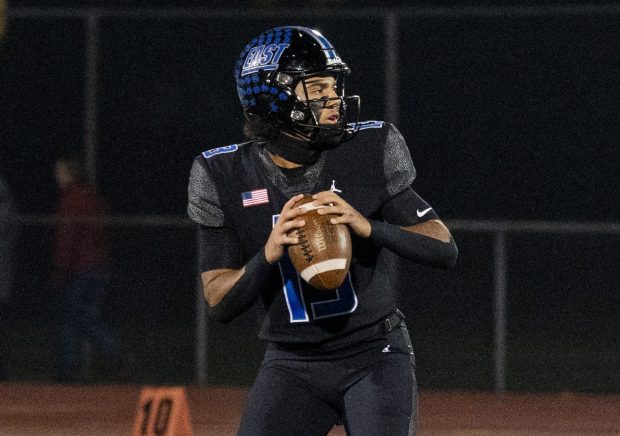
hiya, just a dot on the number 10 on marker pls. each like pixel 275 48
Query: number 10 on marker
pixel 162 412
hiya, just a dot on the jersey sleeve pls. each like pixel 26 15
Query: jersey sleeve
pixel 407 208
pixel 204 205
pixel 397 164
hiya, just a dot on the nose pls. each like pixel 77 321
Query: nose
pixel 332 99
pixel 332 104
pixel 331 93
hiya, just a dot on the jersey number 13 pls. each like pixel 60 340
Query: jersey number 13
pixel 336 302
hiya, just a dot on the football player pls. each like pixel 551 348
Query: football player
pixel 332 356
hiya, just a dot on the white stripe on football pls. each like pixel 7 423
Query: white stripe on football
pixel 321 267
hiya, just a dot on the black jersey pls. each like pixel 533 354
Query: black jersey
pixel 238 188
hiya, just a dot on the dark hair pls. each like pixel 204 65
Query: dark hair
pixel 257 129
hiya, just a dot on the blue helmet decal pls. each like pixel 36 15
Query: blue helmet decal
pixel 264 52
pixel 263 57
pixel 328 48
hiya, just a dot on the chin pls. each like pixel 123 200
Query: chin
pixel 329 123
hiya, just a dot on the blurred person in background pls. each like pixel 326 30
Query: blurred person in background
pixel 8 237
pixel 79 272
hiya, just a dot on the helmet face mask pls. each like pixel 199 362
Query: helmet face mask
pixel 270 70
pixel 308 112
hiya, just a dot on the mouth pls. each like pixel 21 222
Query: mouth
pixel 333 119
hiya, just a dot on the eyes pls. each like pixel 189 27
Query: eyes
pixel 321 89
pixel 317 88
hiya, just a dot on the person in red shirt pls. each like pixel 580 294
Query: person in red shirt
pixel 79 270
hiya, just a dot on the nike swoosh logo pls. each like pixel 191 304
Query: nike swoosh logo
pixel 424 212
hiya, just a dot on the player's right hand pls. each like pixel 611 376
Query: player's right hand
pixel 280 236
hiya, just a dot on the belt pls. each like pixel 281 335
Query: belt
pixel 386 324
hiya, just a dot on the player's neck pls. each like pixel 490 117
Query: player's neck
pixel 290 152
pixel 281 162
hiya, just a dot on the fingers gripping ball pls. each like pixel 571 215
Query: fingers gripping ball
pixel 323 255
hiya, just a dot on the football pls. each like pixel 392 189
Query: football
pixel 323 255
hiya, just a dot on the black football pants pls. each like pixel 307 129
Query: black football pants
pixel 369 387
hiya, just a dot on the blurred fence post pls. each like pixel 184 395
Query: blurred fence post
pixel 500 285
pixel 90 95
pixel 201 323
pixel 391 67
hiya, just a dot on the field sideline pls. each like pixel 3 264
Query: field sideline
pixel 110 410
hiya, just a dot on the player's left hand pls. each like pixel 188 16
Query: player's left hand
pixel 347 214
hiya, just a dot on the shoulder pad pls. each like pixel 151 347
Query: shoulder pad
pixel 363 125
pixel 220 150
pixel 225 149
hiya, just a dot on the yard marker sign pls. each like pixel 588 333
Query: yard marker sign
pixel 162 411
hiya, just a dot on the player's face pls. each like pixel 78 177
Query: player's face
pixel 321 88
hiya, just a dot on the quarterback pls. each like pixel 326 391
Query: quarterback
pixel 336 356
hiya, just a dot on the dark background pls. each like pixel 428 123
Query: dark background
pixel 509 116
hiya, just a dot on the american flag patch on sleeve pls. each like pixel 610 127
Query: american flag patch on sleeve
pixel 254 198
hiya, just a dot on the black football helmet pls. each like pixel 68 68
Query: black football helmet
pixel 274 63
